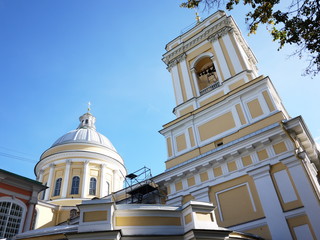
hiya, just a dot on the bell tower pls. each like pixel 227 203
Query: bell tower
pixel 211 54
pixel 232 142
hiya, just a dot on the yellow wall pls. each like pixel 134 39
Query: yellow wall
pixel 298 221
pixel 191 181
pixel 181 142
pixel 235 202
pixel 262 155
pixel 204 177
pixel 268 101
pixel 186 110
pixel 148 221
pixel 95 216
pixel 178 186
pixel 262 231
pixel 246 160
pixel 255 108
pixel 236 84
pixel 216 126
pixel 277 117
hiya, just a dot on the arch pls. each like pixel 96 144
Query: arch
pixel 57 187
pixel 205 72
pixel 12 215
pixel 75 185
pixel 199 57
pixel 93 186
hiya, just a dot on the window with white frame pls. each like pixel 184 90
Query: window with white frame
pixel 93 186
pixel 75 185
pixel 57 187
pixel 11 218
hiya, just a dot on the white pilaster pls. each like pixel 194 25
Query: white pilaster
pixel 32 202
pixel 186 79
pixel 66 179
pixel 49 183
pixel 305 191
pixel 270 203
pixel 176 83
pixel 40 176
pixel 232 53
pixel 103 189
pixel 222 60
pixel 195 81
pixel 84 190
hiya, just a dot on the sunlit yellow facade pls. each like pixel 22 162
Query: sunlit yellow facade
pixel 238 166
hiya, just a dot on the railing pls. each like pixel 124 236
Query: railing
pixel 210 88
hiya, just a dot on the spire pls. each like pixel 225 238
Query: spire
pixel 198 18
pixel 89 107
pixel 87 120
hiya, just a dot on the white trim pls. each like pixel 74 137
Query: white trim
pixel 177 86
pixel 223 63
pixel 21 204
pixel 232 54
pixel 186 78
pixel 228 189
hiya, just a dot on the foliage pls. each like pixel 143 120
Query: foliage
pixel 298 24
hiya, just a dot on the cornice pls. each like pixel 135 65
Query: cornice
pixel 170 57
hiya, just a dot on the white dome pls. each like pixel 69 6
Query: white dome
pixel 84 135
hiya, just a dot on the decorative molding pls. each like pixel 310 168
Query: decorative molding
pixel 220 33
pixel 171 55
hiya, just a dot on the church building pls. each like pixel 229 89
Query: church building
pixel 238 167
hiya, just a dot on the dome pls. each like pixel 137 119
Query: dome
pixel 85 133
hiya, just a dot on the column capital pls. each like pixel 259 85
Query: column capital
pixel 68 161
pixel 260 172
pixel 220 33
pixel 291 161
pixel 201 194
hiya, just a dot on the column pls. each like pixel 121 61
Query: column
pixel 103 190
pixel 32 202
pixel 195 81
pixel 186 78
pixel 217 69
pixel 66 179
pixel 305 190
pixel 176 83
pixel 270 203
pixel 49 183
pixel 84 189
pixel 40 177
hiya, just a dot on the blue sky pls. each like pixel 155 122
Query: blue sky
pixel 55 56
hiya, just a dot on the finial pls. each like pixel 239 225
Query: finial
pixel 89 106
pixel 198 18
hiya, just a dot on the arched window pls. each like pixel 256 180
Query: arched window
pixel 207 75
pixel 93 186
pixel 11 217
pixel 43 193
pixel 57 187
pixel 108 187
pixel 75 185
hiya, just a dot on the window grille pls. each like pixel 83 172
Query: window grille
pixel 10 219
